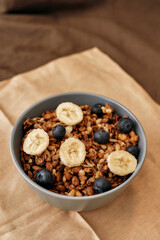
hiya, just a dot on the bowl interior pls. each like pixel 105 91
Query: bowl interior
pixel 80 99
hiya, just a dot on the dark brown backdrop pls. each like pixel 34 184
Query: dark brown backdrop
pixel 128 31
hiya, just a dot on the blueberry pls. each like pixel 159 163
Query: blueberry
pixel 102 184
pixel 59 131
pixel 101 136
pixel 125 125
pixel 96 109
pixel 44 178
pixel 134 150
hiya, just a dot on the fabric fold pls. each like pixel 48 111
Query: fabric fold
pixel 23 214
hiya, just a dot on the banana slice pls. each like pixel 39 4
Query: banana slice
pixel 36 142
pixel 121 163
pixel 72 152
pixel 69 113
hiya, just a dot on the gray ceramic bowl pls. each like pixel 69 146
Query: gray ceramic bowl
pixel 61 201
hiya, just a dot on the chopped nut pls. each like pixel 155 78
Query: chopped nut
pixel 49 125
pixel 76 169
pixel 78 194
pixel 75 181
pixel 61 188
pixel 51 148
pixel 89 191
pixel 101 160
pixel 71 187
pixel 66 184
pixel 26 167
pixel 58 176
pixel 30 174
pixel 68 131
pixel 48 116
pixel 36 168
pixel 110 175
pixel 122 136
pixel 68 175
pixel 88 170
pixel 113 140
pixel 105 169
pixel 99 174
pixel 39 160
pixel 82 179
pixel 90 163
pixel 134 137
pixel 106 155
pixel 132 134
pixel 100 155
pixel 117 147
pixel 49 166
pixel 104 147
pixel 30 161
pixel 64 179
pixel 81 173
pixel 89 129
pixel 55 163
pixel 72 192
pixel 50 134
pixel 90 181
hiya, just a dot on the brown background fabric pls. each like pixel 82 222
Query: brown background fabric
pixel 37 5
pixel 135 213
pixel 128 31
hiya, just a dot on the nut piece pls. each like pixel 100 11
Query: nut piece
pixel 75 181
pixel 49 166
pixel 76 169
pixel 78 194
pixel 36 168
pixel 99 174
pixel 58 176
pixel 68 175
pixel 81 173
pixel 68 131
pixel 72 192
pixel 66 184
pixel 71 187
pixel 122 136
pixel 61 188
pixel 89 191
pixel 82 179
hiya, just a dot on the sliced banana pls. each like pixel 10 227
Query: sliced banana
pixel 36 142
pixel 121 163
pixel 72 152
pixel 69 113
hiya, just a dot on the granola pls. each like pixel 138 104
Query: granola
pixel 78 180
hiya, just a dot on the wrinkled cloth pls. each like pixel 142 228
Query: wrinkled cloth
pixel 135 213
pixel 128 31
pixel 37 5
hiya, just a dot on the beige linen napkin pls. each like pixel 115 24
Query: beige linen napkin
pixel 133 215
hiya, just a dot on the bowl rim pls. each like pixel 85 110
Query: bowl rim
pixel 57 195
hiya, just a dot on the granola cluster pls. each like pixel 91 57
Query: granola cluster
pixel 78 181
